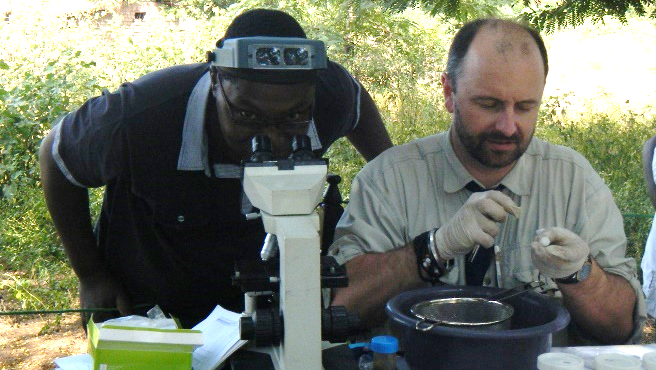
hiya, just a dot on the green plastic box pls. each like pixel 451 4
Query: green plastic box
pixel 125 348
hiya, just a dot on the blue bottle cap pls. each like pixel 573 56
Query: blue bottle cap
pixel 384 344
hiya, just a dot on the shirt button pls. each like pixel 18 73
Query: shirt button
pixel 181 218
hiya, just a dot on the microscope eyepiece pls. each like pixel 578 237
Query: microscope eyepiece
pixel 261 149
pixel 302 148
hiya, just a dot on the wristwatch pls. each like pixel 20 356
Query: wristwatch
pixel 578 276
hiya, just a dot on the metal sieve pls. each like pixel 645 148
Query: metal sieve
pixel 475 313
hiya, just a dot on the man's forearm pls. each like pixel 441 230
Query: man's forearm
pixel 69 208
pixel 601 305
pixel 374 278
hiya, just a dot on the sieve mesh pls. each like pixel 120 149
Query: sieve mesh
pixel 462 311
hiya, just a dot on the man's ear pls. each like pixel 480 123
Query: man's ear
pixel 448 91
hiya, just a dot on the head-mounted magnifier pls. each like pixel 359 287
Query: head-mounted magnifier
pixel 270 53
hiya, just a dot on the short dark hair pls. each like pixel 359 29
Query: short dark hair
pixel 464 37
pixel 264 22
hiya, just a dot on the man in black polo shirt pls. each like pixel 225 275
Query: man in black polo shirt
pixel 167 147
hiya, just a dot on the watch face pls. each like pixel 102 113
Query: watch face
pixel 584 272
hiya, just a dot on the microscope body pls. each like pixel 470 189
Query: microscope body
pixel 292 270
pixel 287 193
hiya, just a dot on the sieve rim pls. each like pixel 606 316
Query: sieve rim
pixel 419 310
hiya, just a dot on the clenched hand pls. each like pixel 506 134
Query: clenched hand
pixel 474 223
pixel 558 252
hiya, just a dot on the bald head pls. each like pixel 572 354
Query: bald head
pixel 501 40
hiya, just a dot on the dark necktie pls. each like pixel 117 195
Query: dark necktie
pixel 476 269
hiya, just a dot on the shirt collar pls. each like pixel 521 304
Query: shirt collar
pixel 516 180
pixel 193 152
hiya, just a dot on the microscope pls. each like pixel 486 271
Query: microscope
pixel 292 271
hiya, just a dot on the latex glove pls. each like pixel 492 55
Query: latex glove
pixel 100 290
pixel 558 252
pixel 474 223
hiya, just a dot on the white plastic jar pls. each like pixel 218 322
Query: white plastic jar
pixel 560 361
pixel 616 361
pixel 649 360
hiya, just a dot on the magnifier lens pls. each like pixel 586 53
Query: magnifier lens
pixel 268 56
pixel 296 56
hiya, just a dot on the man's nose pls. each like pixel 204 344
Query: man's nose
pixel 507 121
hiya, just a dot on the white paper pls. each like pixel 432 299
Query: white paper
pixel 77 362
pixel 221 334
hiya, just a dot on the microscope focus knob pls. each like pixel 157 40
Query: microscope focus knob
pixel 246 328
pixel 264 327
pixel 337 324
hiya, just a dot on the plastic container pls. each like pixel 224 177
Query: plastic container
pixel 616 361
pixel 384 348
pixel 560 361
pixel 535 319
pixel 366 361
pixel 649 361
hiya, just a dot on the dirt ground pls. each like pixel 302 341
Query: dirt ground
pixel 28 343
pixel 33 342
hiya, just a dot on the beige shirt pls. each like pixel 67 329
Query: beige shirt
pixel 416 187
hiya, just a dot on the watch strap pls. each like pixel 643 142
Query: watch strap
pixel 578 276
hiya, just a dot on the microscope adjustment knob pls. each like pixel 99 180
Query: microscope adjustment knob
pixel 246 328
pixel 264 328
pixel 337 324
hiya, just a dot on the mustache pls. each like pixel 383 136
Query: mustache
pixel 497 136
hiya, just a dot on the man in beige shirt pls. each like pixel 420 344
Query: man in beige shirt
pixel 415 218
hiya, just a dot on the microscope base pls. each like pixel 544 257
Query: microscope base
pixel 338 357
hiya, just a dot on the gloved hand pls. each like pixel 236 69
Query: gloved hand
pixel 558 252
pixel 100 290
pixel 474 223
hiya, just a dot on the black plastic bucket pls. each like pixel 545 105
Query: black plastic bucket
pixel 535 319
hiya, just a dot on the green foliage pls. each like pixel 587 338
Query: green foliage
pixel 547 15
pixel 29 106
pixel 572 13
pixel 33 265
pixel 458 10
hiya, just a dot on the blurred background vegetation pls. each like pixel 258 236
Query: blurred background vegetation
pixel 597 100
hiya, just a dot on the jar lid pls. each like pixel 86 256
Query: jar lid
pixel 560 361
pixel 384 344
pixel 616 361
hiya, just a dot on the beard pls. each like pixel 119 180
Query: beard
pixel 476 144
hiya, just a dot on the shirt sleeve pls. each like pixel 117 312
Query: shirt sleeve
pixel 89 141
pixel 653 166
pixel 337 104
pixel 604 232
pixel 372 221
